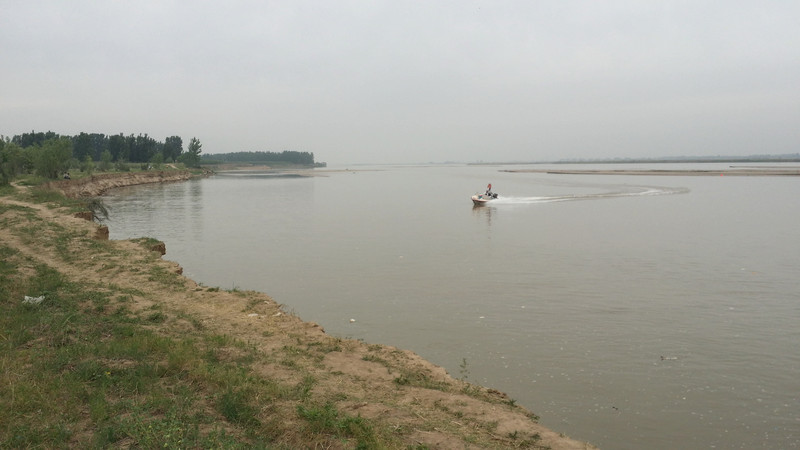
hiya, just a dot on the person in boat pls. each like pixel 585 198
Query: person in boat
pixel 488 192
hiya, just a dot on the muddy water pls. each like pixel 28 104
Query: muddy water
pixel 631 312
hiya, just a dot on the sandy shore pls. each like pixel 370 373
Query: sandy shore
pixel 411 398
pixel 733 171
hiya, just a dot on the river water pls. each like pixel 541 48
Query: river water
pixel 628 311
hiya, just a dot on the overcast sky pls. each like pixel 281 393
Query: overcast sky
pixel 411 81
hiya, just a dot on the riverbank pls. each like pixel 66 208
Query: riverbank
pixel 95 185
pixel 141 356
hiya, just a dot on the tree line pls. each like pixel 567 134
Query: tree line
pixel 49 154
pixel 286 156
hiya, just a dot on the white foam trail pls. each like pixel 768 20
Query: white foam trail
pixel 636 191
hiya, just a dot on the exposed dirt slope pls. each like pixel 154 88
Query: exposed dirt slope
pixel 97 184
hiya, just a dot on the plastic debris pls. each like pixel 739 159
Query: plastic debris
pixel 33 300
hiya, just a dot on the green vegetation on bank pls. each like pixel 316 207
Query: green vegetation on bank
pixel 52 156
pixel 263 157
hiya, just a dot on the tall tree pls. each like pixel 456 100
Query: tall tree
pixel 173 147
pixel 192 156
pixel 52 158
pixel 12 160
pixel 33 138
pixel 143 148
pixel 82 146
pixel 118 147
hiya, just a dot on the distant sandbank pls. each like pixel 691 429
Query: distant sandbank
pixel 733 171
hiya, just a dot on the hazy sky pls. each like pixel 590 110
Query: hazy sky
pixel 411 81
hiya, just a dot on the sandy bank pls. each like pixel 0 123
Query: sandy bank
pixel 405 397
pixel 95 185
pixel 747 172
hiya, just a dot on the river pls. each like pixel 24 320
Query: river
pixel 628 311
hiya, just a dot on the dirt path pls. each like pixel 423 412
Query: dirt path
pixel 393 387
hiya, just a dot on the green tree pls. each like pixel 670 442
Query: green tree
pixel 142 148
pixel 119 148
pixel 157 160
pixel 192 156
pixel 88 165
pixel 173 147
pixel 33 138
pixel 52 157
pixel 12 160
pixel 105 161
pixel 82 146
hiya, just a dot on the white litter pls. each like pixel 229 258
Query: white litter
pixel 33 300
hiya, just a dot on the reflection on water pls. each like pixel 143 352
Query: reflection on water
pixel 565 293
pixel 484 212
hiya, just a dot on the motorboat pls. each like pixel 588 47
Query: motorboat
pixel 486 197
pixel 482 199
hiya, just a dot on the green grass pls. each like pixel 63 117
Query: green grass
pixel 76 370
pixel 65 360
pixel 327 420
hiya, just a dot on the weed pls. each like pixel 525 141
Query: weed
pixel 303 389
pixel 422 380
pixel 376 359
pixel 160 274
pixel 463 370
pixel 326 419
pixel 157 317
pixel 252 303
pixel 233 405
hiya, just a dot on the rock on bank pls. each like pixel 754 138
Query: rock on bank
pixel 97 184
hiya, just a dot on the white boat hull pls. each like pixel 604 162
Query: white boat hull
pixel 481 199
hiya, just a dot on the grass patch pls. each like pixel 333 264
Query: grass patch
pixel 326 420
pixel 79 371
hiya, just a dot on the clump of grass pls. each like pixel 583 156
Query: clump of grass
pixel 422 380
pixel 327 420
pixel 233 404
pixel 376 359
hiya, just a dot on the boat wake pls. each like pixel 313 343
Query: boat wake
pixel 629 191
